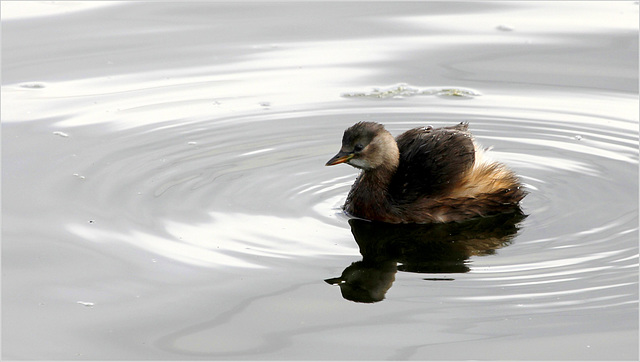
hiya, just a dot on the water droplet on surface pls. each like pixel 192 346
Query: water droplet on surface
pixel 86 304
pixel 577 137
pixel 61 134
pixel 503 27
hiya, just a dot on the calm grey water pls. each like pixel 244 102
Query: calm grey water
pixel 165 195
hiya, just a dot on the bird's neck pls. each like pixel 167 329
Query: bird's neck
pixel 369 197
pixel 378 179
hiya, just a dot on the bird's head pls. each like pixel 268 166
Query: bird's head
pixel 366 145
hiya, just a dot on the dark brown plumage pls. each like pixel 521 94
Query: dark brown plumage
pixel 424 175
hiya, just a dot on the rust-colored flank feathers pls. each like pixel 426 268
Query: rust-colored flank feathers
pixel 424 175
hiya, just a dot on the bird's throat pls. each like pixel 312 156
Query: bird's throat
pixel 368 197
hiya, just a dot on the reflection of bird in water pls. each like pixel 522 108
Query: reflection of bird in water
pixel 419 248
pixel 364 282
pixel 425 175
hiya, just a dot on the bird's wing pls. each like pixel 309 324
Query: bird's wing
pixel 431 161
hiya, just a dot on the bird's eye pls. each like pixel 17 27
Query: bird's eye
pixel 358 147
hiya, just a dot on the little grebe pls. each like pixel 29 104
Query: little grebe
pixel 425 175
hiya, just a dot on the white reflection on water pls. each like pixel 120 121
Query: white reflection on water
pixel 528 19
pixel 214 244
pixel 549 294
pixel 556 263
pixel 29 9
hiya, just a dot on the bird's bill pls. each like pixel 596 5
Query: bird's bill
pixel 341 157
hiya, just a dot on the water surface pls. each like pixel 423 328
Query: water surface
pixel 164 194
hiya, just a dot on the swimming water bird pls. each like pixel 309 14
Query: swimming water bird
pixel 425 175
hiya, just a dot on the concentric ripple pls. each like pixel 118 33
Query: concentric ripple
pixel 239 190
pixel 262 171
pixel 251 191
